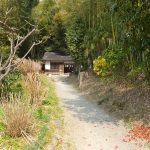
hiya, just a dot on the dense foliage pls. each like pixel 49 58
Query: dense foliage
pixel 74 37
pixel 115 30
pixel 87 29
pixel 16 14
pixel 50 19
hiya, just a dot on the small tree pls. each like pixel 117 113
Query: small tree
pixel 15 41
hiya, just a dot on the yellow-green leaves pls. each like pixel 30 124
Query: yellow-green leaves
pixel 100 66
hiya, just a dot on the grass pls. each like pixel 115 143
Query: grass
pixel 26 66
pixel 43 117
pixel 17 118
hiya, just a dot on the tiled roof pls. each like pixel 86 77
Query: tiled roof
pixel 52 56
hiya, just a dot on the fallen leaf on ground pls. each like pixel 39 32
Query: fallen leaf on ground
pixel 116 147
pixel 138 132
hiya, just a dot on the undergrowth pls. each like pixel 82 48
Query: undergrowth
pixel 42 115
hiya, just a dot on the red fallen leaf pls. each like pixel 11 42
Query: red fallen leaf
pixel 129 140
pixel 128 135
pixel 140 145
pixel 124 140
pixel 139 132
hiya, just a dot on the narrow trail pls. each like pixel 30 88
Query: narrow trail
pixel 88 125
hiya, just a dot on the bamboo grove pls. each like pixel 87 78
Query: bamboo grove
pixel 116 31
pixel 112 37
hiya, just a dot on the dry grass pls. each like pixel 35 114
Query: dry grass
pixel 34 87
pixel 27 66
pixel 30 70
pixel 17 119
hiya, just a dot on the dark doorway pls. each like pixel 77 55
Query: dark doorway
pixel 68 68
pixel 55 67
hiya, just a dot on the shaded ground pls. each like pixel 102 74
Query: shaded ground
pixel 126 101
pixel 88 125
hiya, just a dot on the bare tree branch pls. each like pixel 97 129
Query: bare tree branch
pixel 32 25
pixel 6 15
pixel 10 55
pixel 8 64
pixel 20 43
pixel 15 42
pixel 7 28
pixel 34 44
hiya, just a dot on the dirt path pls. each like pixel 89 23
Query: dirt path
pixel 88 125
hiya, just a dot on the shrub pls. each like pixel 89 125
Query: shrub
pixel 115 57
pixel 17 118
pixel 27 66
pixel 100 66
pixel 11 84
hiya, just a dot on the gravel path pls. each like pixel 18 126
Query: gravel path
pixel 88 125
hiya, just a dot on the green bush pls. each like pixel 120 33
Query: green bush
pixel 100 66
pixel 11 84
pixel 115 58
pixel 112 61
